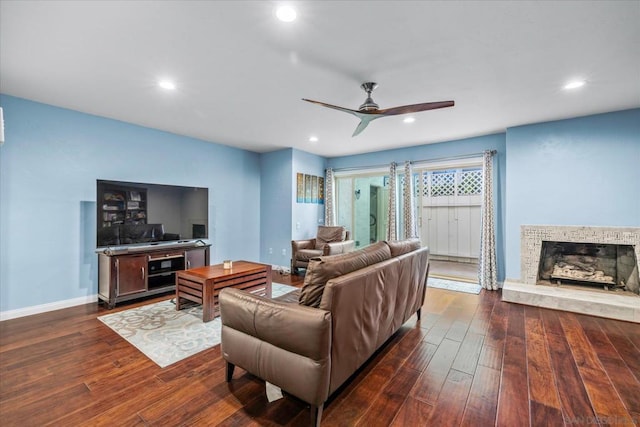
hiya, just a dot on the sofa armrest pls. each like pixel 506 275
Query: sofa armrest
pixel 335 248
pixel 286 344
pixel 302 244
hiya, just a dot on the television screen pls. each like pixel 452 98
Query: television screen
pixel 132 213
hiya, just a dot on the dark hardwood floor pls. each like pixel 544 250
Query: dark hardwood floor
pixel 472 360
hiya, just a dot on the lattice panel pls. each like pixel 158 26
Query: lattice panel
pixel 470 182
pixel 443 183
pixel 425 184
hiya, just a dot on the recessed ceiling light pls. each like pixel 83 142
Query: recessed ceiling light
pixel 166 84
pixel 313 139
pixel 286 14
pixel 409 119
pixel 574 84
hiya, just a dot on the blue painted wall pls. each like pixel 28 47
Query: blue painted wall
pixel 48 171
pixel 282 218
pixel 446 150
pixel 275 206
pixel 583 171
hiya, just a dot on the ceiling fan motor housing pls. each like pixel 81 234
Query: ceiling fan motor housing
pixel 368 105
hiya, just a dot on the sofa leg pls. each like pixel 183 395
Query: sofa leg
pixel 419 313
pixel 316 415
pixel 229 375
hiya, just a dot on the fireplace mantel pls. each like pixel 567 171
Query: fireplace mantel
pixel 595 302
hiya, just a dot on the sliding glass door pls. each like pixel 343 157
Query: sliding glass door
pixel 362 202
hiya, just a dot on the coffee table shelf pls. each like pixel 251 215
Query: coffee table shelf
pixel 202 285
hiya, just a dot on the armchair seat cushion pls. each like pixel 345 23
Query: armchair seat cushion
pixel 306 254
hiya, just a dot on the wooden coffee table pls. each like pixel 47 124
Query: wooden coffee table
pixel 202 285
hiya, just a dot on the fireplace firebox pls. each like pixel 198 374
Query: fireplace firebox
pixel 608 266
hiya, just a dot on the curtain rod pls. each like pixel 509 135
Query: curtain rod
pixel 460 157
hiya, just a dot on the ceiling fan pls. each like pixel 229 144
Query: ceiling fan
pixel 369 110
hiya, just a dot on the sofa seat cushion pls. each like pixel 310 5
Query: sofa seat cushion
pixel 322 269
pixel 328 234
pixel 308 254
pixel 401 247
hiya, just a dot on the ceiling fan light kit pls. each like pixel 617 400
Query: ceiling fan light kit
pixel 370 111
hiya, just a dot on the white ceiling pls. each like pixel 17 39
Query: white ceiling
pixel 241 73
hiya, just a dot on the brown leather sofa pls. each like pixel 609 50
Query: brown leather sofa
pixel 329 240
pixel 309 342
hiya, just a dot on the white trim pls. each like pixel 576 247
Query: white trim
pixel 447 164
pixel 281 268
pixel 43 308
pixel 361 172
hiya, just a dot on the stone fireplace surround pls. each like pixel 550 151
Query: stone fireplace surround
pixel 612 305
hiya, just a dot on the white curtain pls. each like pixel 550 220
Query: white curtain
pixel 329 199
pixel 391 224
pixel 408 214
pixel 487 274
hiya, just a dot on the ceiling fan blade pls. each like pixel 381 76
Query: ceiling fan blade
pixel 335 107
pixel 414 108
pixel 364 122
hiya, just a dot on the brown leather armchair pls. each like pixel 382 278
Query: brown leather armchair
pixel 329 240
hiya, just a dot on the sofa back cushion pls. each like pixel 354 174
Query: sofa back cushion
pixel 400 247
pixel 322 269
pixel 328 234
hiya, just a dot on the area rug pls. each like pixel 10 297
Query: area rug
pixel 167 336
pixel 454 285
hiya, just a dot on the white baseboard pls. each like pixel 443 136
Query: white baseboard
pixel 43 308
pixel 281 268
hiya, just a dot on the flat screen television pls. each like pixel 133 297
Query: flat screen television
pixel 135 213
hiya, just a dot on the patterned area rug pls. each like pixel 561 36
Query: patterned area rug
pixel 167 336
pixel 453 285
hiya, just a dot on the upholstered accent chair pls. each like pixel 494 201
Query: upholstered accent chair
pixel 329 240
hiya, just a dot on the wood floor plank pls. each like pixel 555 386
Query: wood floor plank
pixel 542 392
pixel 497 325
pixel 490 356
pixel 412 412
pixel 101 411
pixel 482 317
pixel 383 410
pixel 429 384
pixel 469 353
pixel 47 408
pixel 449 411
pixel 574 400
pixel 420 357
pixel 439 330
pixel 513 400
pixel 543 415
pixel 482 403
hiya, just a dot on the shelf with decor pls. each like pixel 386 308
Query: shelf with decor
pixel 121 205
